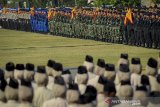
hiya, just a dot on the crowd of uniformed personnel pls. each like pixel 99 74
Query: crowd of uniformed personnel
pixel 39 21
pixel 96 24
pixel 93 85
pixel 108 25
pixel 145 30
pixel 91 23
pixel 14 20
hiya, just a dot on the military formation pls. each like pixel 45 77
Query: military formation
pixel 98 24
pixel 93 85
pixel 39 21
pixel 108 25
pixel 15 20
pixel 145 30
pixel 87 23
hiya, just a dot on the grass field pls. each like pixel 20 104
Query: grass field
pixel 23 47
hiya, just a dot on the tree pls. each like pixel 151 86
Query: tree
pixel 156 1
pixel 3 3
pixel 70 3
pixel 98 3
pixel 130 2
pixel 81 2
pixel 13 3
pixel 41 3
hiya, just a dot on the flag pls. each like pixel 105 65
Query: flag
pixel 95 13
pixel 73 13
pixel 4 10
pixel 32 11
pixel 49 14
pixel 128 17
pixel 125 21
pixel 18 10
pixel 54 13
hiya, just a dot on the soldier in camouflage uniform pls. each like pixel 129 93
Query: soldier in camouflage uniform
pixel 122 28
pixel 89 23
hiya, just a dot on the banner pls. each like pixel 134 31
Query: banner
pixel 128 17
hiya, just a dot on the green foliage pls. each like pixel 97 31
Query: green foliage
pixel 30 3
pixel 3 2
pixel 130 2
pixel 71 3
pixel 116 2
pixel 38 3
pixel 98 3
pixel 43 3
pixel 81 2
pixel 113 2
pixel 156 1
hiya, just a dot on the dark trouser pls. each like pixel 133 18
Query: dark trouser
pixel 158 35
pixel 0 22
pixel 155 34
pixel 138 34
pixel 125 36
pixel 142 38
pixel 149 39
pixel 131 37
pixel 146 34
